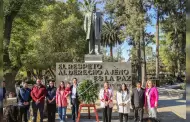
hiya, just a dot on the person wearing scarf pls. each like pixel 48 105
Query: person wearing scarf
pixel 61 101
pixel 123 101
pixel 24 99
pixel 151 99
pixel 106 102
pixel 51 103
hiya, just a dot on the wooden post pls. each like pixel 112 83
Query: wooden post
pixel 88 112
pixel 87 105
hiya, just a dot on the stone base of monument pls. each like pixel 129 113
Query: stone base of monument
pixel 93 58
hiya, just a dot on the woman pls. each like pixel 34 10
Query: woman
pixel 50 99
pixel 123 101
pixel 61 101
pixel 106 102
pixel 151 99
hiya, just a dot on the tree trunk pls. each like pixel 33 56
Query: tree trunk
pixel 143 65
pixel 10 77
pixel 111 52
pixel 10 80
pixel 29 75
pixel 157 45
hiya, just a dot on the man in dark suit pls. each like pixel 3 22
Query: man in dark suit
pixel 137 101
pixel 74 99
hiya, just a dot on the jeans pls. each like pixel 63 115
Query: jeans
pixel 51 108
pixel 36 107
pixel 139 111
pixel 152 112
pixel 75 108
pixel 62 113
pixel 121 117
pixel 107 113
pixel 1 110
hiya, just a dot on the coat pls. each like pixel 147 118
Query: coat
pixel 61 99
pixel 101 97
pixel 51 94
pixel 126 100
pixel 24 96
pixel 153 93
pixel 38 93
pixel 138 98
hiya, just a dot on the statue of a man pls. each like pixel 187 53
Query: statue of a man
pixel 93 27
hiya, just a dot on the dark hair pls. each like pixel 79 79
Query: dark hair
pixel 60 85
pixel 126 89
pixel 138 82
pixel 106 82
pixel 75 79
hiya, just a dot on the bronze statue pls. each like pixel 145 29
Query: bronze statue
pixel 93 27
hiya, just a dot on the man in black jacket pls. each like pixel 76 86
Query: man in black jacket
pixel 74 99
pixel 137 101
pixel 51 101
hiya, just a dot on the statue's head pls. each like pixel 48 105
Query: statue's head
pixel 94 8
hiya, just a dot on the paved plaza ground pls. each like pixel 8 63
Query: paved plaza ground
pixel 172 107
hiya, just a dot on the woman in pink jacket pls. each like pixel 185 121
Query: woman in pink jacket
pixel 61 101
pixel 151 99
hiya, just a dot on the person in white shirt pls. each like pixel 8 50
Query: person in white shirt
pixel 123 101
pixel 74 99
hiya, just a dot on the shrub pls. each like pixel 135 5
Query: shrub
pixel 88 91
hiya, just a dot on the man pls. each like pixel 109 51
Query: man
pixel 74 99
pixel 38 95
pixel 1 104
pixel 137 101
pixel 24 99
pixel 51 103
pixel 4 90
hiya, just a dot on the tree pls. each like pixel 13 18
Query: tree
pixel 173 25
pixel 110 36
pixel 19 10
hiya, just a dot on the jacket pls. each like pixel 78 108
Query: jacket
pixel 153 93
pixel 77 96
pixel 138 98
pixel 51 93
pixel 38 93
pixel 101 97
pixel 24 96
pixel 61 99
pixel 1 94
pixel 126 100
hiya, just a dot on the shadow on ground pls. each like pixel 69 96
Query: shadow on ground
pixel 169 116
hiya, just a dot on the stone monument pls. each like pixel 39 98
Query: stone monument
pixel 93 27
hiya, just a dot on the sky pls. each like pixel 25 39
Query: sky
pixel 125 47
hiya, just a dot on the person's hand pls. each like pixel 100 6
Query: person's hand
pixel 37 101
pixel 49 101
pixel 156 104
pixel 26 103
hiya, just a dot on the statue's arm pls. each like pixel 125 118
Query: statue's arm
pixel 85 23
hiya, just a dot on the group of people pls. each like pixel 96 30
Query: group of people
pixel 66 94
pixel 54 97
pixel 139 100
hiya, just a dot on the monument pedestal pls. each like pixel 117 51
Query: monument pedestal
pixel 93 58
